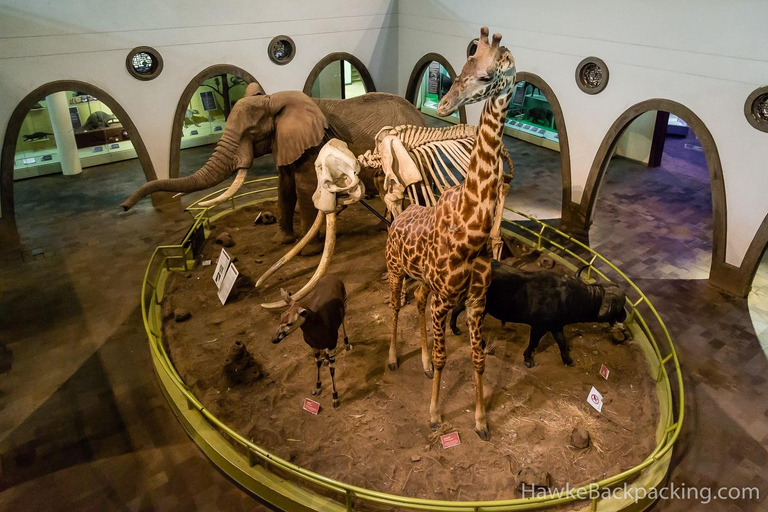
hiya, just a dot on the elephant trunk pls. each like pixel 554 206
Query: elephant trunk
pixel 221 164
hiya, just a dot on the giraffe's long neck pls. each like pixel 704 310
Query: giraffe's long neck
pixel 478 198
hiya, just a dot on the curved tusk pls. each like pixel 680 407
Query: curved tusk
pixel 295 250
pixel 231 191
pixel 322 267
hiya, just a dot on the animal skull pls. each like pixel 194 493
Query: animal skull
pixel 337 180
pixel 400 170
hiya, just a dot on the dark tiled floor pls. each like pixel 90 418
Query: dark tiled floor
pixel 83 425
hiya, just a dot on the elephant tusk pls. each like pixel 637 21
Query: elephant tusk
pixel 295 250
pixel 322 267
pixel 231 191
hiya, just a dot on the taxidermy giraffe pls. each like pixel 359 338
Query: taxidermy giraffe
pixel 444 247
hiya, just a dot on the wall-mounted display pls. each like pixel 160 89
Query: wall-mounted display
pixel 592 75
pixel 281 50
pixel 99 136
pixel 144 63
pixel 756 109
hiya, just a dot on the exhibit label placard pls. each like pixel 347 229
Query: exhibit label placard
pixel 311 406
pixel 595 399
pixel 450 440
pixel 604 371
pixel 221 268
pixel 228 282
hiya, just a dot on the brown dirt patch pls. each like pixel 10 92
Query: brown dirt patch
pixel 379 438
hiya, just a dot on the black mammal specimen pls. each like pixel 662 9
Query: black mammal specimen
pixel 547 301
pixel 319 316
pixel 36 136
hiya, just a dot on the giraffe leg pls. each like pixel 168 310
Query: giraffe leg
pixel 422 295
pixel 395 287
pixel 440 310
pixel 479 281
pixel 331 362
pixel 319 363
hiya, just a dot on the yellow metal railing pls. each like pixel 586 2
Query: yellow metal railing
pixel 177 257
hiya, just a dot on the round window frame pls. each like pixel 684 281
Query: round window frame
pixel 144 76
pixel 749 109
pixel 578 75
pixel 472 44
pixel 276 39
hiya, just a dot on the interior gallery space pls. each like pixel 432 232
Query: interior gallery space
pixel 383 255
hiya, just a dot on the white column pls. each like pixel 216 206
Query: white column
pixel 58 109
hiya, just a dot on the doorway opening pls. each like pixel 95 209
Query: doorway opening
pixel 653 216
pixel 339 76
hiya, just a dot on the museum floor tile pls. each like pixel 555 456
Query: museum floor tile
pixel 84 426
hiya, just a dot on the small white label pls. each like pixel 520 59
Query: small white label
pixel 206 263
pixel 221 268
pixel 604 371
pixel 229 281
pixel 595 399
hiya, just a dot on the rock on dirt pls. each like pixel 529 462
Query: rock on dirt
pixel 579 438
pixel 180 314
pixel 225 239
pixel 533 478
pixel 546 262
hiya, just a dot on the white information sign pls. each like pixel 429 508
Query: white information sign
pixel 221 268
pixel 595 399
pixel 229 281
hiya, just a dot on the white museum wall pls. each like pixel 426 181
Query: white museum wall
pixel 707 55
pixel 88 40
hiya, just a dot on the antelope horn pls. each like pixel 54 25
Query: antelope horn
pixel 231 191
pixel 322 267
pixel 295 250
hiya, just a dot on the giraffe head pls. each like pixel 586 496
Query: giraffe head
pixel 291 319
pixel 488 72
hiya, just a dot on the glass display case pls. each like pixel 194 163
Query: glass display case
pixel 209 108
pixel 530 117
pixel 99 135
pixel 435 83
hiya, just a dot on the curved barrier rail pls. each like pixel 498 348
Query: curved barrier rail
pixel 263 473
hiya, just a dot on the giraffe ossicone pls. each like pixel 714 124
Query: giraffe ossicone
pixel 445 247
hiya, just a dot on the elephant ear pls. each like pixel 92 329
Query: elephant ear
pixel 299 125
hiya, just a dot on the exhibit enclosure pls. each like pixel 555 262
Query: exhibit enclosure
pixel 69 126
pixel 338 80
pixel 434 84
pixel 530 117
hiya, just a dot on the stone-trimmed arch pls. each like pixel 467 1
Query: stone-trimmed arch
pixel 8 220
pixel 562 132
pixel 716 181
pixel 418 71
pixel 186 97
pixel 365 75
pixel 738 280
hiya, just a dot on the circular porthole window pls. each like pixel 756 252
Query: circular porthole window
pixel 471 47
pixel 592 75
pixel 281 50
pixel 144 63
pixel 756 109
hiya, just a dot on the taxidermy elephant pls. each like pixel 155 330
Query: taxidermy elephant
pixel 293 127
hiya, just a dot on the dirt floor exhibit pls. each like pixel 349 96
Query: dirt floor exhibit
pixel 379 436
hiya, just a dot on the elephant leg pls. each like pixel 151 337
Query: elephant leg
pixel 306 184
pixel 286 204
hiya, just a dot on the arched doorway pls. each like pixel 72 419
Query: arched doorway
pixel 201 115
pixel 339 76
pixel 671 216
pixel 756 267
pixel 542 184
pixel 103 133
pixel 430 79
